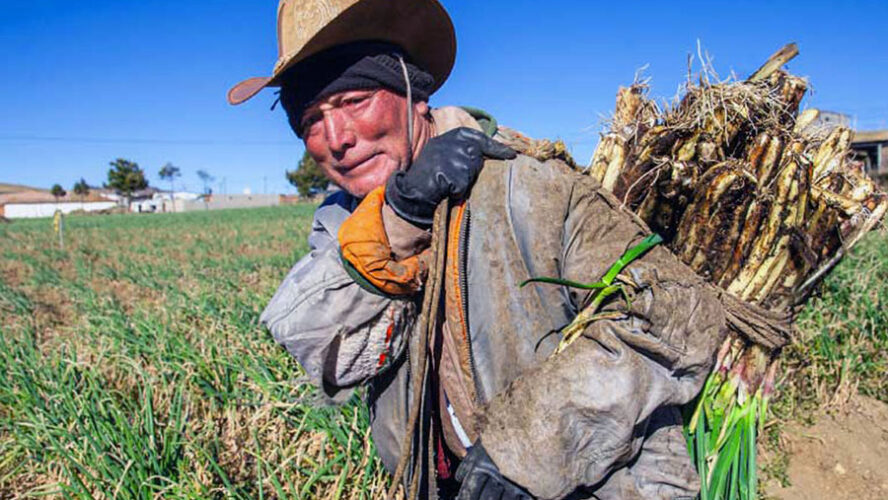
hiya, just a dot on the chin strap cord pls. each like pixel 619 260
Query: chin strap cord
pixel 409 109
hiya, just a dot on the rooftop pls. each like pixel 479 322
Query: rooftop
pixel 870 136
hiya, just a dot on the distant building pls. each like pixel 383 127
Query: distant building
pixel 832 119
pixel 33 203
pixel 126 201
pixel 163 202
pixel 871 147
pixel 224 201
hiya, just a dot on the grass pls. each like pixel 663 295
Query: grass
pixel 843 335
pixel 840 350
pixel 132 365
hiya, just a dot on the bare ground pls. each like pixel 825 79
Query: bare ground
pixel 843 455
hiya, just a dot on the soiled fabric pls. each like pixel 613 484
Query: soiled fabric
pixel 596 421
pixel 340 333
pixel 559 423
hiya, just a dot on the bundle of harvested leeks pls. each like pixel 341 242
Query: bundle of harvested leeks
pixel 756 198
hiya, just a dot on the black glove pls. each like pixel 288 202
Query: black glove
pixel 481 479
pixel 446 167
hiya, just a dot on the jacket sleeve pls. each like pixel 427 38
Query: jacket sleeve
pixel 341 333
pixel 581 414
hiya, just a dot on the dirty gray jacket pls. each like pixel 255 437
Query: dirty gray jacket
pixel 598 420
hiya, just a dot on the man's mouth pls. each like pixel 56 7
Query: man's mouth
pixel 358 165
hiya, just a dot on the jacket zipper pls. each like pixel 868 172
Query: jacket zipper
pixel 464 294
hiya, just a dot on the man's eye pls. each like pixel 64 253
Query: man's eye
pixel 310 120
pixel 353 101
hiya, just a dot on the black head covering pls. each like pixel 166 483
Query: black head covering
pixel 354 66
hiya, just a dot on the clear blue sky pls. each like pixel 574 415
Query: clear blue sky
pixel 82 83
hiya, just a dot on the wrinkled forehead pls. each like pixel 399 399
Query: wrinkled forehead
pixel 377 97
pixel 339 98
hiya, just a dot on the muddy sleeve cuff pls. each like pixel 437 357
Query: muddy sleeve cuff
pixel 405 239
pixel 366 246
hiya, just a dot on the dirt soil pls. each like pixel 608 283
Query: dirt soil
pixel 841 456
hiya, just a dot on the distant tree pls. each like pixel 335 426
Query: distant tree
pixel 126 177
pixel 81 189
pixel 58 191
pixel 207 179
pixel 308 177
pixel 169 172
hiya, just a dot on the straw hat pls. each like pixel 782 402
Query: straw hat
pixel 306 27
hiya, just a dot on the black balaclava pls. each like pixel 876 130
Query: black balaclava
pixel 354 66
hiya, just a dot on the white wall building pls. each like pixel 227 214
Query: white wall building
pixel 34 210
pixel 225 201
pixel 164 202
pixel 33 204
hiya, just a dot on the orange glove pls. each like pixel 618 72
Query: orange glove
pixel 365 245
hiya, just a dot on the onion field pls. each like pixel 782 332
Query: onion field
pixel 132 364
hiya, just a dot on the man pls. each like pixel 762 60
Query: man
pixel 485 410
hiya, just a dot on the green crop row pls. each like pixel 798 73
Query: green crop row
pixel 132 364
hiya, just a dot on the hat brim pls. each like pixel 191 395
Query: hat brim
pixel 246 89
pixel 421 27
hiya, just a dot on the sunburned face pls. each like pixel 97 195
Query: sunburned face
pixel 359 137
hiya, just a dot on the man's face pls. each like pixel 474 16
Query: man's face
pixel 359 137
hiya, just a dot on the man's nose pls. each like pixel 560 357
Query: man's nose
pixel 340 135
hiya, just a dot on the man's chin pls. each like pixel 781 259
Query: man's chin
pixel 362 185
pixel 361 188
